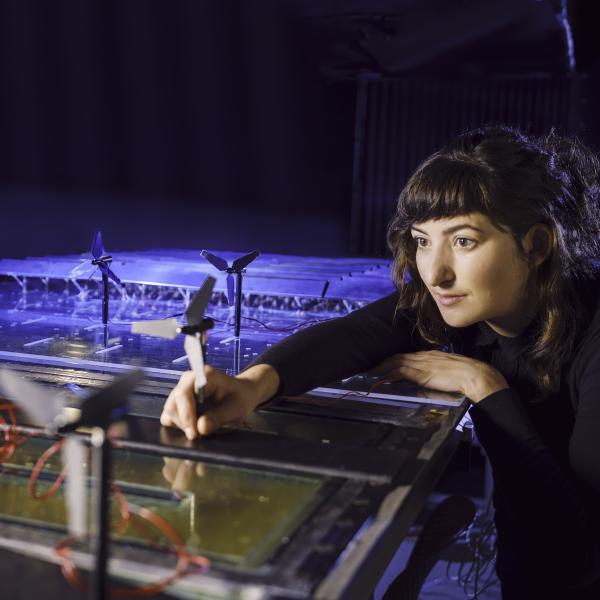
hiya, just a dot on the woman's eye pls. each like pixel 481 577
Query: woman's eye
pixel 462 242
pixel 421 242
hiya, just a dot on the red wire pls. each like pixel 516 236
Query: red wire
pixel 10 433
pixel 123 507
pixel 369 391
pixel 37 469
pixel 68 568
pixel 72 575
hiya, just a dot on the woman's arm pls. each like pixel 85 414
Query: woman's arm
pixel 336 349
pixel 584 451
pixel 312 357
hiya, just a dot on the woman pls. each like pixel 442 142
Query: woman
pixel 493 241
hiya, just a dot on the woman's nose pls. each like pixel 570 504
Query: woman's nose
pixel 440 272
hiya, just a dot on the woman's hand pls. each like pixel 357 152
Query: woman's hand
pixel 445 372
pixel 229 399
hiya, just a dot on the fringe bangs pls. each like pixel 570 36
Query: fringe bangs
pixel 444 188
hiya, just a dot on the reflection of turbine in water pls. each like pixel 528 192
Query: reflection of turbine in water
pixel 180 475
pixel 193 539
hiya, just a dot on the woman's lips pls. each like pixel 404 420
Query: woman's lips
pixel 447 299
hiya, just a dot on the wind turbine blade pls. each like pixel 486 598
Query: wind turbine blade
pixel 243 261
pixel 97 245
pixel 195 311
pixel 230 295
pixel 215 261
pixel 109 403
pixel 193 349
pixel 40 404
pixel 73 456
pixel 111 274
pixel 163 328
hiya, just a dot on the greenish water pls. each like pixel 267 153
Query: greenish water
pixel 226 513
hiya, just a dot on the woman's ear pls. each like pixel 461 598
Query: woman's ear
pixel 537 243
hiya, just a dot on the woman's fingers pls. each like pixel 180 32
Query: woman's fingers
pixel 412 373
pixel 168 408
pixel 180 407
pixel 386 366
pixel 390 366
pixel 435 369
pixel 186 413
pixel 229 400
pixel 231 410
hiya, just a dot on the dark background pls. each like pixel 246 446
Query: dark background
pixel 287 126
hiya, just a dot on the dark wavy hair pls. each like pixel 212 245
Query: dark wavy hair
pixel 516 180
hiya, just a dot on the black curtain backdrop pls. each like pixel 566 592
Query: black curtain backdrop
pixel 231 124
pixel 184 123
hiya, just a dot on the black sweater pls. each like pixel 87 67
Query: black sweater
pixel 545 455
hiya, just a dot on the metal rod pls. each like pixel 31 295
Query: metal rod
pixel 237 356
pixel 198 391
pixel 104 299
pixel 238 303
pixel 101 469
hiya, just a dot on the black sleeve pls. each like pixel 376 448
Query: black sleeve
pixel 584 451
pixel 544 504
pixel 339 348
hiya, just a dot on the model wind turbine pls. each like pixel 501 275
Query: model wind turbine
pixel 99 410
pixel 237 268
pixel 194 328
pixel 101 260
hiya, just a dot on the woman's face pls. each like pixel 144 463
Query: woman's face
pixel 474 272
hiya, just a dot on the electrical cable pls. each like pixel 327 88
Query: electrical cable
pixel 369 391
pixel 322 401
pixel 481 566
pixel 474 572
pixel 311 321
pixel 12 439
pixel 8 445
pixel 37 469
pixel 72 575
pixel 288 329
